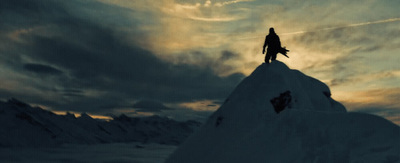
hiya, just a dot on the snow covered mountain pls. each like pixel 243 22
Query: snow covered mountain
pixel 22 125
pixel 280 115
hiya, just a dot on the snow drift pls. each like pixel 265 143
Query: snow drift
pixel 281 115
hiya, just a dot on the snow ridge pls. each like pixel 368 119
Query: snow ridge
pixel 24 126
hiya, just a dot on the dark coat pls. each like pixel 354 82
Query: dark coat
pixel 273 42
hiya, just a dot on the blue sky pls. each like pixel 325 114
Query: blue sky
pixel 103 56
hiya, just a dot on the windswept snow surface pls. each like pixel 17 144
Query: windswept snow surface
pixel 98 153
pixel 312 127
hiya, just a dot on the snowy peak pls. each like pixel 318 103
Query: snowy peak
pixel 277 87
pixel 281 115
pixel 272 89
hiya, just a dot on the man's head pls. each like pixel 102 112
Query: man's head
pixel 271 30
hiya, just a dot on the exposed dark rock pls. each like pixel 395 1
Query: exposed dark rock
pixel 327 94
pixel 282 101
pixel 218 121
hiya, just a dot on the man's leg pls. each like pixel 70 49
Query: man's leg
pixel 273 57
pixel 267 56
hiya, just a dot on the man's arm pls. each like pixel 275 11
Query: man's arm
pixel 265 43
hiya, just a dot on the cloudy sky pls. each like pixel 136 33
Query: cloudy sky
pixel 181 58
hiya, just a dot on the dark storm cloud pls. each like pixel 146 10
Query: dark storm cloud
pixel 72 92
pixel 93 57
pixel 222 62
pixel 42 69
pixel 226 55
pixel 150 106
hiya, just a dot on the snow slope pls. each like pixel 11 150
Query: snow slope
pixel 24 126
pixel 281 115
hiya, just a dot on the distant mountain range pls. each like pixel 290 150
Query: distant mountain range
pixel 22 125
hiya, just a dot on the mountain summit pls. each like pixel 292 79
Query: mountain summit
pixel 281 115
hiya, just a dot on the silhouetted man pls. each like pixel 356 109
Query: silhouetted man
pixel 274 45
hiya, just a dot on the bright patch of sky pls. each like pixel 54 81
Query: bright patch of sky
pixel 352 46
